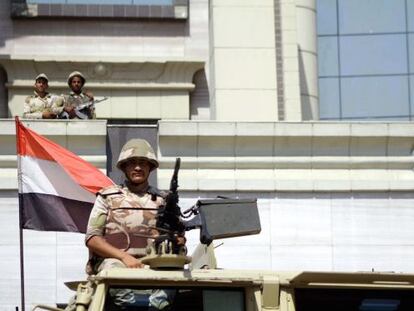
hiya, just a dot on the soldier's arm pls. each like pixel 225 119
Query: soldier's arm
pixel 89 94
pixel 57 104
pixel 97 244
pixel 91 109
pixel 27 110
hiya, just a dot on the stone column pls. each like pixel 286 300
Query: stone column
pixel 308 57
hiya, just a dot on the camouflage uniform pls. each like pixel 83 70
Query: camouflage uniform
pixel 124 219
pixel 35 105
pixel 76 100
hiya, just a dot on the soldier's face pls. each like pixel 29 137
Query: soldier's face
pixel 41 86
pixel 137 171
pixel 76 84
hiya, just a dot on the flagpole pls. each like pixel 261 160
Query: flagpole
pixel 19 180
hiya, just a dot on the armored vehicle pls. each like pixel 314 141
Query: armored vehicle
pixel 231 290
pixel 166 285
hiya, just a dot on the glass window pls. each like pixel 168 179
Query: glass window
pixel 364 97
pixel 411 51
pixel 383 299
pixel 328 56
pixel 371 16
pixel 327 17
pixel 329 106
pixel 380 54
pixel 223 301
pixel 184 299
pixel 410 15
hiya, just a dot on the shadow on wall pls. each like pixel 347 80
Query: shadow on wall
pixel 308 113
pixel 96 26
pixel 6 30
pixel 4 107
pixel 87 27
pixel 200 97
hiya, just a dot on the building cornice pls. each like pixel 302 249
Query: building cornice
pixel 101 72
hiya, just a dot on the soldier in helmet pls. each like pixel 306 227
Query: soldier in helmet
pixel 122 221
pixel 77 97
pixel 42 105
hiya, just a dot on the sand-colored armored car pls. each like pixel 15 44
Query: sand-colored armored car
pixel 236 290
pixel 166 285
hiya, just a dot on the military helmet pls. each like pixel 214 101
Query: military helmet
pixel 76 74
pixel 42 76
pixel 137 148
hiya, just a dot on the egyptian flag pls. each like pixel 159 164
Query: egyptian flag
pixel 56 188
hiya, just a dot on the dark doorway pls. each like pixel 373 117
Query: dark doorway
pixel 118 133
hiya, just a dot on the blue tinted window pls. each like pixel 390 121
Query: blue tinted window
pixel 329 98
pixel 412 96
pixel 98 2
pixel 411 51
pixel 326 16
pixel 375 96
pixel 410 15
pixel 371 16
pixel 380 54
pixel 328 56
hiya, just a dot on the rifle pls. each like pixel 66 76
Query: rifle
pixel 80 110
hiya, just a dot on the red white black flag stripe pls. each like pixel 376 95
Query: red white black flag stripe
pixel 56 187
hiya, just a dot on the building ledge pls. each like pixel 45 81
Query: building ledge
pixel 84 138
pixel 288 156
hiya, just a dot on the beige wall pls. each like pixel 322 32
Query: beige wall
pixel 145 67
pixel 244 60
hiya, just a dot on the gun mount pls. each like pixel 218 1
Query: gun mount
pixel 216 218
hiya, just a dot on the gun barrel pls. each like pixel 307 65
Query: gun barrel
pixel 174 178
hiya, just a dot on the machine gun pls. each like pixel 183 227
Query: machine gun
pixel 166 252
pixel 216 218
pixel 168 217
pixel 81 111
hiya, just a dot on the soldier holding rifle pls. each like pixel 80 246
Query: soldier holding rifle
pixel 78 104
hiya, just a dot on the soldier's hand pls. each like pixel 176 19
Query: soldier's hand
pixel 89 94
pixel 131 261
pixel 48 115
pixel 70 111
pixel 181 240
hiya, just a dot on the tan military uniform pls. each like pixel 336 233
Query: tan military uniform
pixel 35 105
pixel 124 219
pixel 74 100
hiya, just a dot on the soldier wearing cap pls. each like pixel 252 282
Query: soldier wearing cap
pixel 42 105
pixel 122 221
pixel 77 97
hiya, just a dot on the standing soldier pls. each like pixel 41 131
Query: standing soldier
pixel 42 105
pixel 77 98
